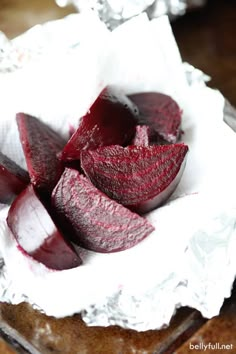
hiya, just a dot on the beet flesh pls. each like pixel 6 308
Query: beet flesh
pixel 111 120
pixel 37 235
pixel 161 113
pixel 13 179
pixel 95 221
pixel 138 177
pixel 40 145
pixel 141 137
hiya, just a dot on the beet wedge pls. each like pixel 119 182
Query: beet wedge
pixel 13 179
pixel 141 137
pixel 111 120
pixel 40 145
pixel 161 113
pixel 138 177
pixel 95 221
pixel 37 235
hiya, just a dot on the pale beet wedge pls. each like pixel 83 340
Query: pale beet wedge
pixel 141 137
pixel 40 145
pixel 110 120
pixel 139 177
pixel 94 221
pixel 37 235
pixel 161 113
pixel 13 179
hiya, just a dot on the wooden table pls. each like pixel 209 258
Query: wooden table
pixel 207 40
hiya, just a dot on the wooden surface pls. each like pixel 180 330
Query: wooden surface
pixel 16 16
pixel 207 40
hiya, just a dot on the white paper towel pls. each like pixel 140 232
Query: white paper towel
pixel 189 258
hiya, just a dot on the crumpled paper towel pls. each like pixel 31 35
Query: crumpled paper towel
pixel 190 257
pixel 115 12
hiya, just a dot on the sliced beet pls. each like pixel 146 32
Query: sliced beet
pixel 138 177
pixel 141 137
pixel 96 222
pixel 161 113
pixel 40 145
pixel 13 179
pixel 36 233
pixel 110 120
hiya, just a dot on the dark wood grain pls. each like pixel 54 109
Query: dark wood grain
pixel 207 40
pixel 70 335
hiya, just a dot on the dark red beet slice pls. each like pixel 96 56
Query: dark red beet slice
pixel 141 137
pixel 138 177
pixel 36 233
pixel 13 179
pixel 96 222
pixel 161 113
pixel 40 145
pixel 110 120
